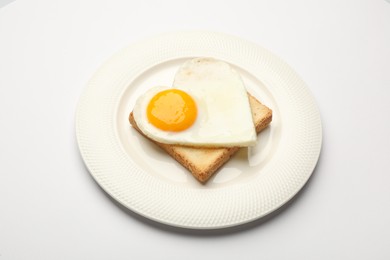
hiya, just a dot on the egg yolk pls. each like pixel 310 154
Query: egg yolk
pixel 172 110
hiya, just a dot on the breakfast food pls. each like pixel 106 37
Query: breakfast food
pixel 221 117
pixel 204 119
pixel 204 162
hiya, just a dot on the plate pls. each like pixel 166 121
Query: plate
pixel 144 179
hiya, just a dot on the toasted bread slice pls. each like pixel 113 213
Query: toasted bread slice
pixel 203 162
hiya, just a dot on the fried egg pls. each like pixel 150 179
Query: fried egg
pixel 207 106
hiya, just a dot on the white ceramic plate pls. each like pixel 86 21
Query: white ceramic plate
pixel 144 179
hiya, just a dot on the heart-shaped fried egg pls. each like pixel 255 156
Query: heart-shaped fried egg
pixel 207 106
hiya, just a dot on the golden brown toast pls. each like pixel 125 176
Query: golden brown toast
pixel 203 162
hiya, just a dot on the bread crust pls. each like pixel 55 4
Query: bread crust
pixel 203 162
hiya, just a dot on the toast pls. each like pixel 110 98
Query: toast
pixel 204 162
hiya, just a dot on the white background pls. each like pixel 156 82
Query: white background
pixel 50 207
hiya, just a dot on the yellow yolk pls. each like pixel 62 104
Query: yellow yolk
pixel 172 110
